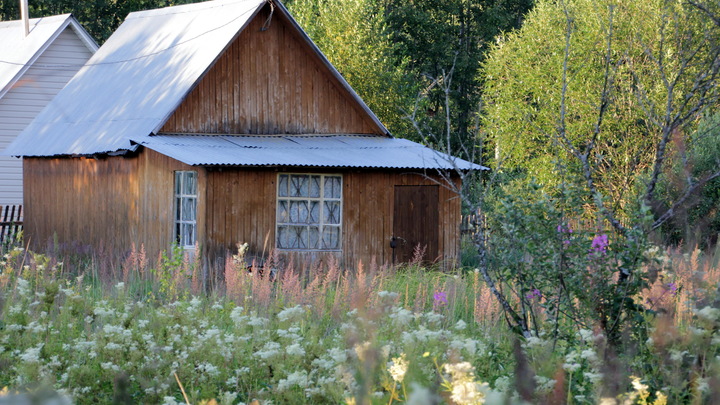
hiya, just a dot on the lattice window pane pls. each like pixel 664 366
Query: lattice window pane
pixel 190 183
pixel 283 212
pixel 282 237
pixel 331 237
pixel 314 242
pixel 283 185
pixel 178 183
pixel 297 237
pixel 332 187
pixel 188 234
pixel 299 212
pixel 299 186
pixel 189 209
pixel 331 212
pixel 314 217
pixel 314 190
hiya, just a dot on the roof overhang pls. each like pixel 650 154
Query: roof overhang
pixel 332 151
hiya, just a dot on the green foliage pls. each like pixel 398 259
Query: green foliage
pixel 353 36
pixel 562 273
pixel 430 39
pixel 630 68
pixel 698 222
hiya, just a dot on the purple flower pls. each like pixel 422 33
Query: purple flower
pixel 599 243
pixel 535 293
pixel 440 298
pixel 672 288
pixel 562 229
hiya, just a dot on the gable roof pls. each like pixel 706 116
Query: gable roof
pixel 137 79
pixel 356 151
pixel 18 52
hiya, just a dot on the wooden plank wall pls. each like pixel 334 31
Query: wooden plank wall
pixel 242 202
pixel 368 216
pixel 102 205
pixel 109 203
pixel 240 209
pixel 269 82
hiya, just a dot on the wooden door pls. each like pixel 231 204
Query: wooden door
pixel 415 222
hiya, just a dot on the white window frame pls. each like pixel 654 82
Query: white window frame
pixel 179 197
pixel 321 225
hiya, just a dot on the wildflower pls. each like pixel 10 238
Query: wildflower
pixel 398 367
pixel 672 288
pixel 291 314
pixel 295 350
pixel 420 395
pixel 440 298
pixel 463 387
pixel 298 378
pixel 32 354
pixel 361 350
pixel 562 229
pixel 709 314
pixel 535 293
pixel 460 325
pixel 270 349
pixel 599 243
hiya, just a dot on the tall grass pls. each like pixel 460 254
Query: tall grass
pixel 325 334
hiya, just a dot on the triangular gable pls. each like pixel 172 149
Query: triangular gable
pixel 19 52
pixel 271 80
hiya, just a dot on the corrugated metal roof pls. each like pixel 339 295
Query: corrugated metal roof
pixel 135 80
pixel 139 76
pixel 18 52
pixel 359 151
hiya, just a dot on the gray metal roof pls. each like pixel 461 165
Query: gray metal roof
pixel 135 81
pixel 18 52
pixel 361 151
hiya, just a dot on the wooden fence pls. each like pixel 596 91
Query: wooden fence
pixel 468 224
pixel 11 222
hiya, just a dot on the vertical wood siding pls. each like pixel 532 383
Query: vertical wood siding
pixel 107 204
pixel 241 207
pixel 104 204
pixel 269 82
pixel 28 97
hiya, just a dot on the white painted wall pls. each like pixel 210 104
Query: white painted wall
pixel 28 97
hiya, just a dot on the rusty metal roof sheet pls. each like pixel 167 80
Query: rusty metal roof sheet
pixel 360 151
pixel 18 52
pixel 139 76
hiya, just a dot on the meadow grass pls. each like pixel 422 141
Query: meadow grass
pixel 147 332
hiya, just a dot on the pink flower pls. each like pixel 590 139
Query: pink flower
pixel 599 243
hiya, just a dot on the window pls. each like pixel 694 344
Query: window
pixel 309 211
pixel 186 208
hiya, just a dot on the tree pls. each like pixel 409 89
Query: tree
pixel 600 88
pixel 429 37
pixel 594 98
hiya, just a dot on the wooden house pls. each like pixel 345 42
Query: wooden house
pixel 218 123
pixel 33 68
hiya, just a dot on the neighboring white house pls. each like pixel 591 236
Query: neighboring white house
pixel 33 69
